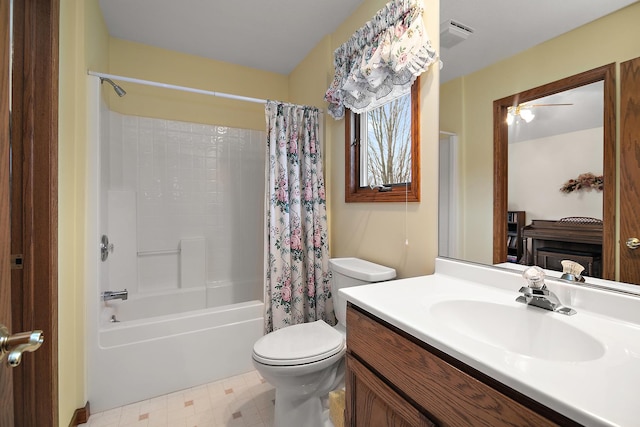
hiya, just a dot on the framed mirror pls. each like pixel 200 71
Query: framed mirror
pixel 518 109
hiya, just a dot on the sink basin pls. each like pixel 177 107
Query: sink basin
pixel 528 331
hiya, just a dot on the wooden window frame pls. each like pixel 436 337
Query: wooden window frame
pixel 353 192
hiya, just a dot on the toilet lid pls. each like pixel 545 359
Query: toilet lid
pixel 298 344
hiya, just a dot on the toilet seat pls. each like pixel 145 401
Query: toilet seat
pixel 299 344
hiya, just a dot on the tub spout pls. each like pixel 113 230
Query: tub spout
pixel 110 295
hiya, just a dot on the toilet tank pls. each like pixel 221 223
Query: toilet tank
pixel 347 272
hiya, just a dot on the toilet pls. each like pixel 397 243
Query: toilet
pixel 305 362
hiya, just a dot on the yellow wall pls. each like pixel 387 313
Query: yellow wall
pixel 83 44
pixel 165 66
pixel 376 231
pixel 466 107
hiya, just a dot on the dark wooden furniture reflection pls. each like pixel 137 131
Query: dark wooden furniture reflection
pixel 515 222
pixel 550 242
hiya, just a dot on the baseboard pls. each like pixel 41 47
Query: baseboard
pixel 80 416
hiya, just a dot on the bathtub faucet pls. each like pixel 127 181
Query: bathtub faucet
pixel 109 295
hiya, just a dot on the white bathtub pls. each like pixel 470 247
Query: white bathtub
pixel 174 301
pixel 139 359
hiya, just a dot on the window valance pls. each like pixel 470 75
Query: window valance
pixel 381 60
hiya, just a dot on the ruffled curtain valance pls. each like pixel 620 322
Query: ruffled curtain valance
pixel 380 62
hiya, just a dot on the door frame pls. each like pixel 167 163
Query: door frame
pixel 34 222
pixel 6 377
pixel 448 184
pixel 629 267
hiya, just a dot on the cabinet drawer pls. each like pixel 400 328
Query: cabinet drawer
pixel 374 404
pixel 450 396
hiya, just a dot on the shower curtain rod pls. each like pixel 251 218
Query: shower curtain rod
pixel 175 87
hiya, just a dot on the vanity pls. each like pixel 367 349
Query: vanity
pixel 439 390
pixel 455 348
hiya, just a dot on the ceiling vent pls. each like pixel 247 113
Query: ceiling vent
pixel 453 32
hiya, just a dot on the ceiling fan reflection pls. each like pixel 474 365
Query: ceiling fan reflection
pixel 524 111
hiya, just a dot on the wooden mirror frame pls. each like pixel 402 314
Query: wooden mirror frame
pixel 605 73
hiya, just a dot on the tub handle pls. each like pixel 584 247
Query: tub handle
pixel 105 247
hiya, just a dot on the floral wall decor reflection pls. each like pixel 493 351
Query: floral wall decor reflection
pixel 586 181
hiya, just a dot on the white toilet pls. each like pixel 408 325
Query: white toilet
pixel 305 362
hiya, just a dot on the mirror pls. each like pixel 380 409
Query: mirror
pixel 560 95
pixel 467 109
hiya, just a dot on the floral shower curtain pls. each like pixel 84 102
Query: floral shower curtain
pixel 297 263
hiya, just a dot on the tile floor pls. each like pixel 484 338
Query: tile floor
pixel 245 400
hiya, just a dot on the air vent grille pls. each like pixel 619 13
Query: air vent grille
pixel 453 32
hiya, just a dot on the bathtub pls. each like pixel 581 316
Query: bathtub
pixel 174 301
pixel 140 358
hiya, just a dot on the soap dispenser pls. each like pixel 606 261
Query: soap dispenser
pixel 572 271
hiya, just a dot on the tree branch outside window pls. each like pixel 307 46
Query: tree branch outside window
pixel 389 143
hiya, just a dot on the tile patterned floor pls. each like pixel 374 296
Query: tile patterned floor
pixel 245 400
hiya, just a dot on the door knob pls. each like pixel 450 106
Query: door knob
pixel 633 243
pixel 14 345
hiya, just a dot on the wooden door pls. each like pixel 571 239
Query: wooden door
pixel 6 381
pixel 629 169
pixel 28 206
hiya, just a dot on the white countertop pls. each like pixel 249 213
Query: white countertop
pixel 599 392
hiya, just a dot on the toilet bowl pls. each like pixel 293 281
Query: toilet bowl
pixel 305 362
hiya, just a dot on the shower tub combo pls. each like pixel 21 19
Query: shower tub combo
pixel 193 276
pixel 137 359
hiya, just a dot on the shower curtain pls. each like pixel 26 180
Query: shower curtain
pixel 297 286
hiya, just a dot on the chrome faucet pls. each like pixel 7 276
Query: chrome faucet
pixel 538 295
pixel 110 295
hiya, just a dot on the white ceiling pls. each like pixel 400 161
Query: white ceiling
pixel 568 111
pixel 273 35
pixel 504 28
pixel 276 35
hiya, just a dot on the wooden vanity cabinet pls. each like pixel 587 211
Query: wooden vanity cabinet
pixel 393 379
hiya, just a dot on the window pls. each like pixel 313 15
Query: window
pixel 382 161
